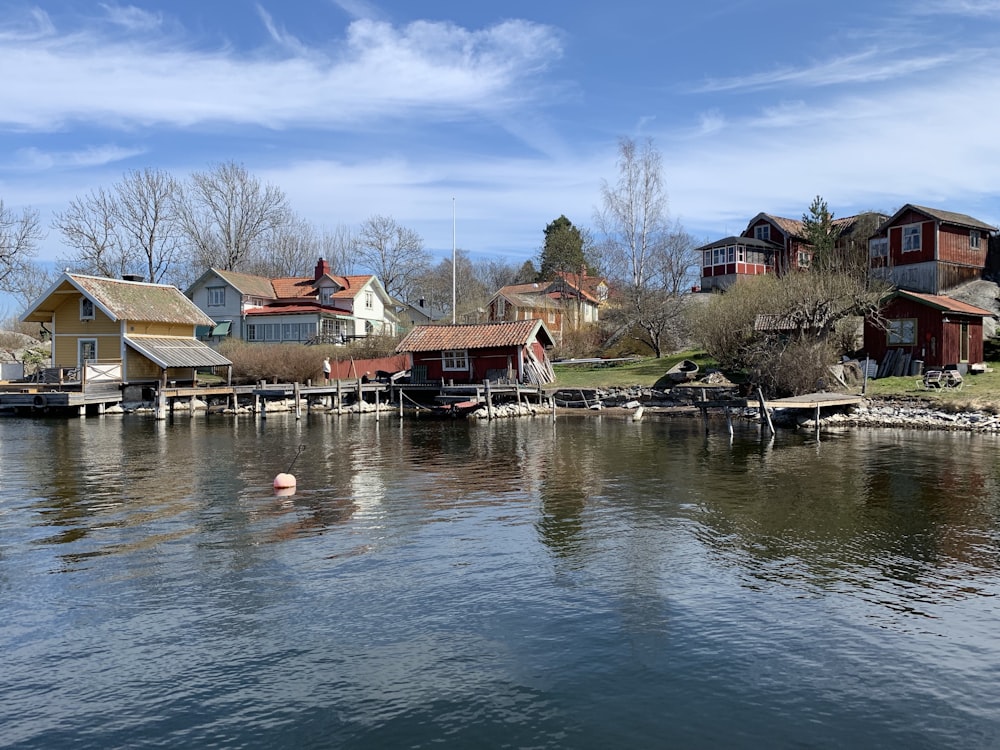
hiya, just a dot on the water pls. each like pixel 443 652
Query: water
pixel 598 583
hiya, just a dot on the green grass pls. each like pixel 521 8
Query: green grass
pixel 643 371
pixel 979 392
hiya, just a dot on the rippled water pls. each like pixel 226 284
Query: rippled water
pixel 590 584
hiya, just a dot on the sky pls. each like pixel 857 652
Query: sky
pixel 476 124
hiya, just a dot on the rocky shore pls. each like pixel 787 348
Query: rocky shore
pixel 914 414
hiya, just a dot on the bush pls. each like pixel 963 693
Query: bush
pixel 285 363
pixel 585 342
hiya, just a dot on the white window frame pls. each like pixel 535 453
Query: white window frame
pixel 455 360
pixel 912 238
pixel 974 239
pixel 902 332
pixel 369 300
pixel 216 296
pixel 326 295
pixel 80 359
pixel 762 232
pixel 86 309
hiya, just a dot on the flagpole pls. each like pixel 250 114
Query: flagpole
pixel 453 253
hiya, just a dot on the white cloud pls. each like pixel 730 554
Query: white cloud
pixel 132 18
pixel 869 66
pixel 437 69
pixel 96 156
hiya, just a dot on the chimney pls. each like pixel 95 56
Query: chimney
pixel 133 277
pixel 322 268
pixel 421 302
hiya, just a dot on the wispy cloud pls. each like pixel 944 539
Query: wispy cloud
pixel 95 156
pixel 132 18
pixel 869 66
pixel 358 9
pixel 380 70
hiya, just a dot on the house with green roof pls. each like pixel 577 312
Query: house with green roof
pixel 143 332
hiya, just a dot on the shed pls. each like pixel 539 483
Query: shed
pixel 513 351
pixel 932 328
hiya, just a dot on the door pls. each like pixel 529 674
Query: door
pixel 86 351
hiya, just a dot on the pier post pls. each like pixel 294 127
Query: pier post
pixel 376 405
pixel 340 399
pixel 489 401
pixel 765 416
pixel 161 405
pixel 298 403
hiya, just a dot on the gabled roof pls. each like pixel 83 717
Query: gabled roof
pixel 475 336
pixel 790 227
pixel 120 300
pixel 244 283
pixel 945 304
pixel 527 296
pixel 587 284
pixel 946 217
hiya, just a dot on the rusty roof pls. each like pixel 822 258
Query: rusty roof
pixel 474 336
pixel 948 217
pixel 947 304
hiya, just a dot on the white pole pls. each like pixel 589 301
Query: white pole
pixel 453 261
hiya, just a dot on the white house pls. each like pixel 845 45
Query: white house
pixel 322 307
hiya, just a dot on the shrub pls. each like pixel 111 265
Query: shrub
pixel 285 363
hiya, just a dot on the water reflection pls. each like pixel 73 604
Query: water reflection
pixel 514 582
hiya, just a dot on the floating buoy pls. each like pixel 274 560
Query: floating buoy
pixel 284 481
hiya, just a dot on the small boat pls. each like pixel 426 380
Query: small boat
pixel 456 408
pixel 683 370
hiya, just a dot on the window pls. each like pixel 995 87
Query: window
pixel 326 295
pixel 731 254
pixel 369 300
pixel 878 247
pixel 902 332
pixel 216 296
pixel 804 259
pixel 456 359
pixel 86 351
pixel 86 309
pixel 974 239
pixel 911 238
pixel 763 232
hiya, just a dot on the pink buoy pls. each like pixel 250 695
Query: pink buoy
pixel 284 481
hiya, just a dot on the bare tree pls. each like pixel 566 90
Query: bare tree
pixel 129 229
pixel 435 286
pixel 337 246
pixel 19 238
pixel 229 217
pixel 393 253
pixel 292 251
pixel 650 259
pixel 496 273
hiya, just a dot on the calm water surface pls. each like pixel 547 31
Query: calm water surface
pixel 595 583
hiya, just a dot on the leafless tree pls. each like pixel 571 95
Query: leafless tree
pixel 435 286
pixel 496 273
pixel 229 217
pixel 337 246
pixel 393 253
pixel 20 234
pixel 130 228
pixel 650 260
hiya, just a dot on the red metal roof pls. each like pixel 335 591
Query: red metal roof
pixel 474 336
pixel 945 303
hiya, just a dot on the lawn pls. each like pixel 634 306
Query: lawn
pixel 644 371
pixel 977 392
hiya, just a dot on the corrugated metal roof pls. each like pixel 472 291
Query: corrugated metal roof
pixel 139 301
pixel 947 304
pixel 168 351
pixel 951 217
pixel 474 336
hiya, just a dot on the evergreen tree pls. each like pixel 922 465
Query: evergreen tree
pixel 562 251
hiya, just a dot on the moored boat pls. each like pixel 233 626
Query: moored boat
pixel 683 370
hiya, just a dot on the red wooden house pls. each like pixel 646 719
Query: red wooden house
pixel 934 329
pixel 929 250
pixel 513 351
pixel 769 244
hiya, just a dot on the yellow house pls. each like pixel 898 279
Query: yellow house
pixel 146 332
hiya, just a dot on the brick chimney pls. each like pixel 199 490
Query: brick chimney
pixel 322 268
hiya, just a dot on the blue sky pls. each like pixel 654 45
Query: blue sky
pixel 512 109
